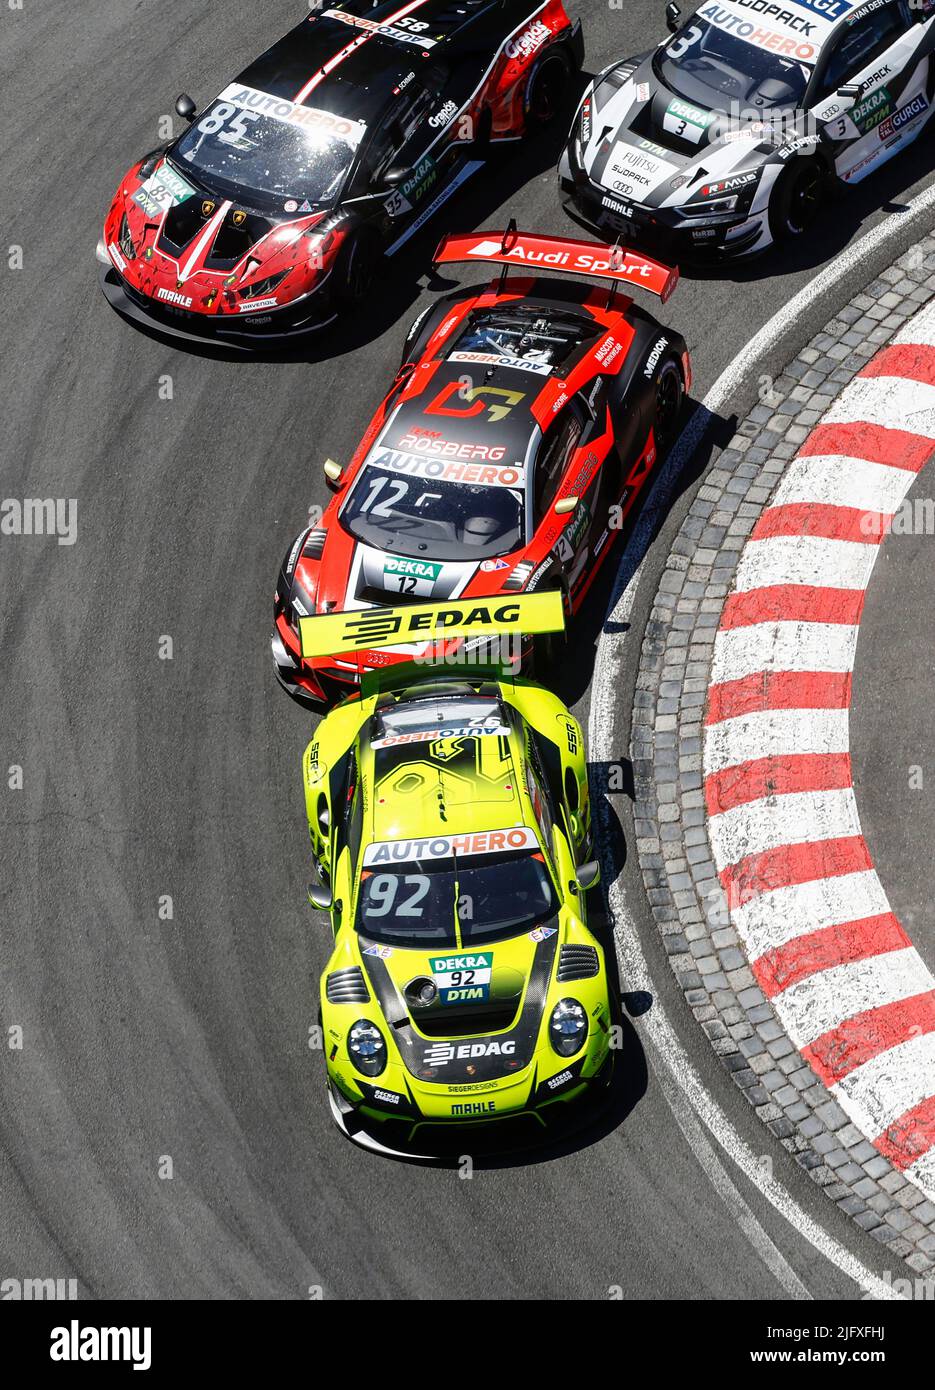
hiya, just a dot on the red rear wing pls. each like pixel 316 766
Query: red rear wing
pixel 529 251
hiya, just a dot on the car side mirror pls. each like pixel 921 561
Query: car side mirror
pixel 334 473
pixel 396 174
pixel 587 875
pixel 851 92
pixel 319 896
pixel 186 108
pixel 565 505
pixel 673 15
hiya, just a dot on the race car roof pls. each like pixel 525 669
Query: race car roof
pixel 492 424
pixel 808 22
pixel 444 781
pixel 348 57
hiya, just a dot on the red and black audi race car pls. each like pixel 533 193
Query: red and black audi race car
pixel 517 435
pixel 271 212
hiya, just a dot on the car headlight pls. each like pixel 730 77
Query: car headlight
pixel 713 207
pixel 366 1047
pixel 125 240
pixel 263 288
pixel 568 1027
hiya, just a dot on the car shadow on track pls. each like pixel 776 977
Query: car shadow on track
pixel 838 223
pixel 571 680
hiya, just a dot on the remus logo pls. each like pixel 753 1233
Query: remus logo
pixel 77 1343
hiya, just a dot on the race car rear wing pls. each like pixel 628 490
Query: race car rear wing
pixel 363 629
pixel 530 251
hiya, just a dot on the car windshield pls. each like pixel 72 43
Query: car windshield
pixel 272 149
pixel 455 901
pixel 427 513
pixel 720 72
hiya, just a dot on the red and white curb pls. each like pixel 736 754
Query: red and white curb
pixel 846 983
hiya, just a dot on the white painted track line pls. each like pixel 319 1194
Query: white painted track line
pixel 655 1025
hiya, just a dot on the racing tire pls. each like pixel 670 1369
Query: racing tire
pixel 797 199
pixel 547 89
pixel 670 398
pixel 356 267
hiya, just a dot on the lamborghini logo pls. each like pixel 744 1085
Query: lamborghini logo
pixel 239 218
pixel 207 207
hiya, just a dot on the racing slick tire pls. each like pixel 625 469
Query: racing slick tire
pixel 356 267
pixel 670 398
pixel 797 199
pixel 547 88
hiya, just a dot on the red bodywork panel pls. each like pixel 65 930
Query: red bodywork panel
pixel 325 575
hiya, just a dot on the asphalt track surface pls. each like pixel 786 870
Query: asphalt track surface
pixel 893 716
pixel 143 777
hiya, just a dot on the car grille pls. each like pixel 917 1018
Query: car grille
pixel 577 963
pixel 347 987
pixel 447 1022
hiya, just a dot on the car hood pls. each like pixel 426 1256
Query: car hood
pixel 485 1018
pixel 199 252
pixel 646 145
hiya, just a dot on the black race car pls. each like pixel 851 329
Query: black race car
pixel 272 211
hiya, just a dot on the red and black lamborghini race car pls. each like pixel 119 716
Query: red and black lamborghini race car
pixel 519 432
pixel 272 210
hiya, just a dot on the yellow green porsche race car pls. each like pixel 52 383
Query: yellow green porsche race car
pixel 451 831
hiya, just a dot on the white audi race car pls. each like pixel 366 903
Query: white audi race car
pixel 728 135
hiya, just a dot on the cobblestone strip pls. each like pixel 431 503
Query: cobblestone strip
pixel 672 844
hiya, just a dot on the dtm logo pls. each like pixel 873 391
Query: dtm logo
pixel 440 1054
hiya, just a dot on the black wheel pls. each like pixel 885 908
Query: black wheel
pixel 356 267
pixel 548 86
pixel 797 199
pixel 670 396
